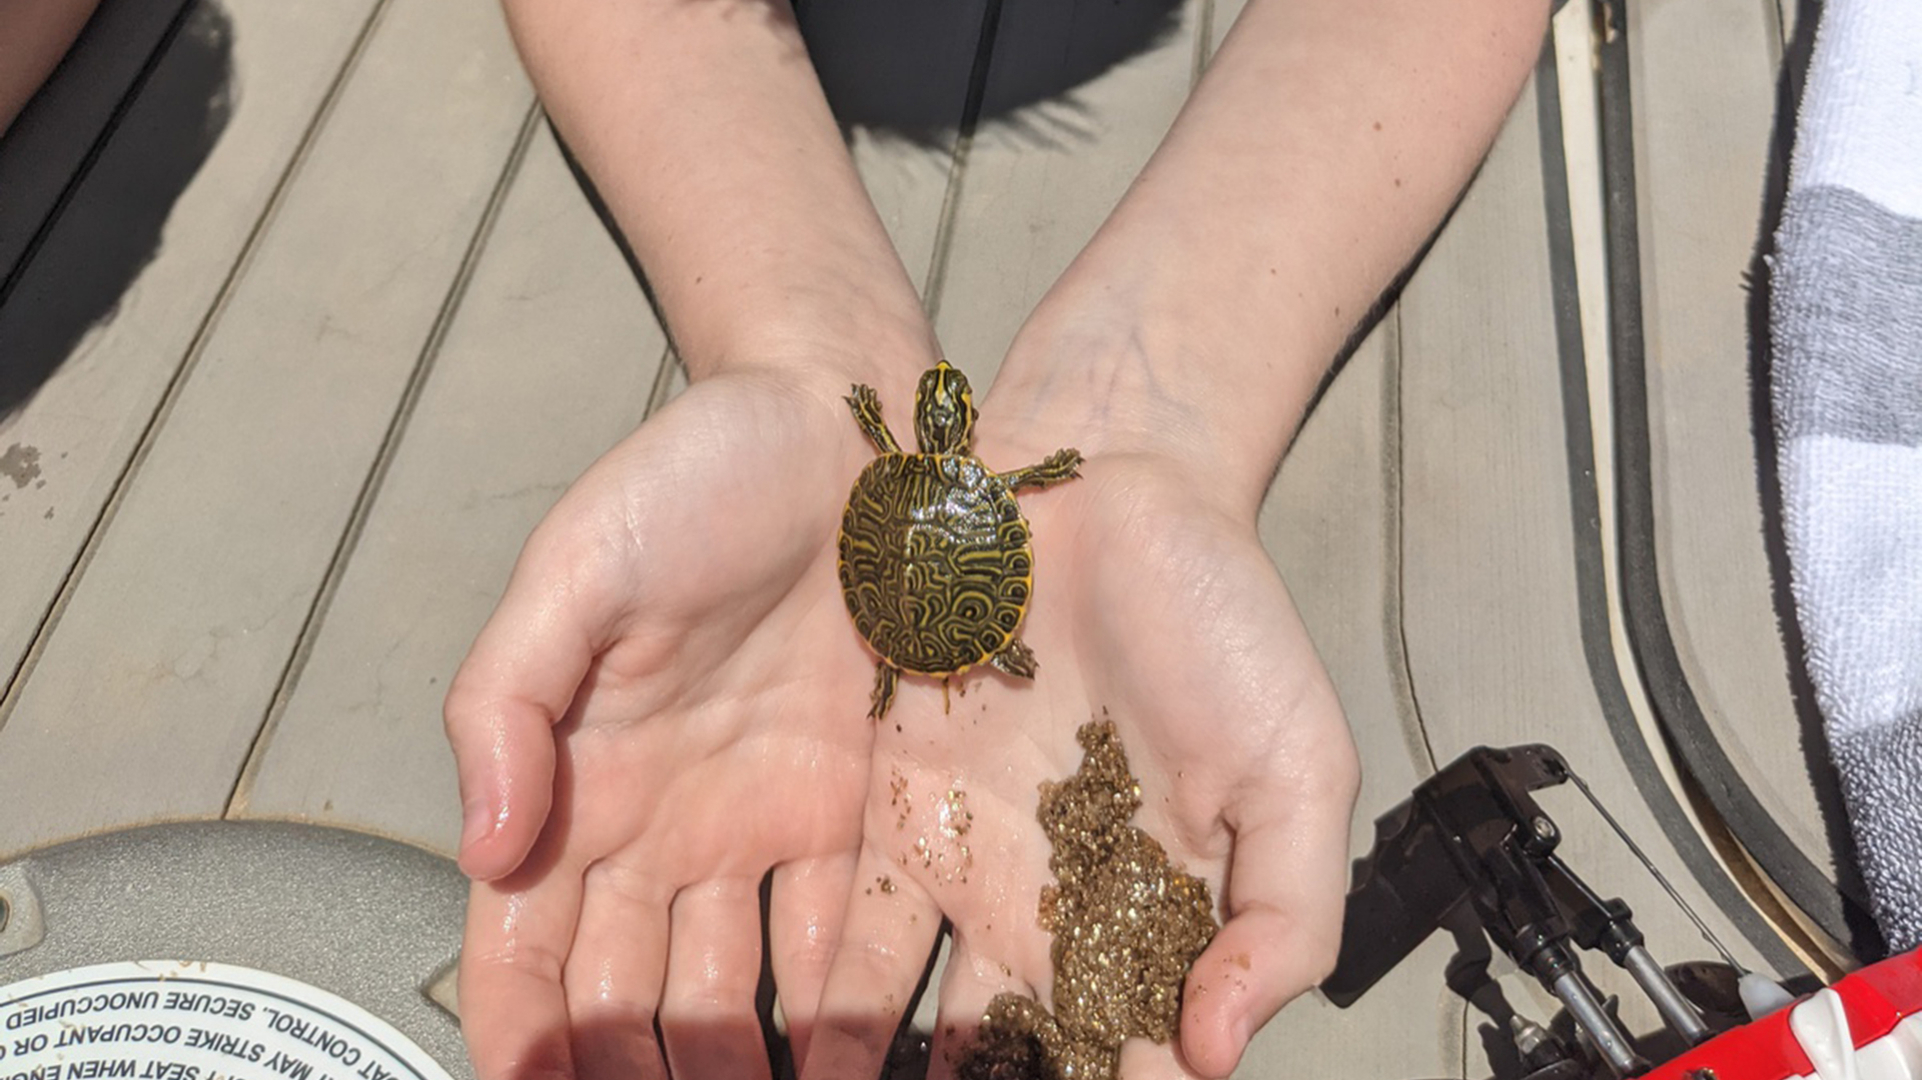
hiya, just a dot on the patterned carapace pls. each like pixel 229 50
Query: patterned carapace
pixel 936 563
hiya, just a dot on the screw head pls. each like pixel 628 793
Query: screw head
pixel 1544 828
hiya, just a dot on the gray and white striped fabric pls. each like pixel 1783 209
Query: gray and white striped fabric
pixel 1846 322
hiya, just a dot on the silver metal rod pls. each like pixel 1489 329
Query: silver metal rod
pixel 1649 865
pixel 1601 1028
pixel 1677 1011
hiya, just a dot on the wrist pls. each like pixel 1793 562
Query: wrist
pixel 826 342
pixel 810 363
pixel 1123 380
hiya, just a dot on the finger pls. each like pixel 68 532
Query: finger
pixel 806 909
pixel 970 986
pixel 1285 887
pixel 517 681
pixel 886 940
pixel 615 975
pixel 1144 1060
pixel 513 1009
pixel 708 1015
pixel 970 982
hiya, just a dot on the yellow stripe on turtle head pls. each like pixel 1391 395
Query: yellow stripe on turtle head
pixel 944 411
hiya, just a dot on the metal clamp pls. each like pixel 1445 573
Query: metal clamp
pixel 1472 834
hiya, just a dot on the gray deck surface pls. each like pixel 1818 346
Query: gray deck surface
pixel 261 507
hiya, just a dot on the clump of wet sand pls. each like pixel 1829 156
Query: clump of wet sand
pixel 1127 925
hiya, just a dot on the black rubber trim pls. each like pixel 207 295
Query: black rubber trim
pixel 1590 562
pixel 1806 886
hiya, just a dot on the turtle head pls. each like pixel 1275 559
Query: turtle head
pixel 944 411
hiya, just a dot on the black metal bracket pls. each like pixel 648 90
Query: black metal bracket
pixel 1473 834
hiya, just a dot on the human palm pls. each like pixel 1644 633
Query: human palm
pixel 1156 610
pixel 665 707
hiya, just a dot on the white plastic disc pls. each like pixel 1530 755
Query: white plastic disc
pixel 180 1020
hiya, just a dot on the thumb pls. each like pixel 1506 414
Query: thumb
pixel 518 680
pixel 1286 884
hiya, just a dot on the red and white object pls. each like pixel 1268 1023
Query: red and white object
pixel 1868 1026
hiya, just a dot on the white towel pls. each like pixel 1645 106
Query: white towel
pixel 1846 323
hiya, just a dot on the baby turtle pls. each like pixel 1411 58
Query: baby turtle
pixel 936 565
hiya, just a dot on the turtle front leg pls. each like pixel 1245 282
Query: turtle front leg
pixel 1016 659
pixel 867 413
pixel 1060 467
pixel 883 696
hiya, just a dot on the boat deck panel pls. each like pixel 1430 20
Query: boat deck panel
pixel 284 472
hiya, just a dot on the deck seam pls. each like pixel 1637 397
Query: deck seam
pixel 190 359
pixel 1204 41
pixel 369 494
pixel 958 160
pixel 664 371
pixel 1395 630
pixel 1467 1023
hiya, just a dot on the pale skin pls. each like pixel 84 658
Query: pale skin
pixel 662 711
pixel 34 35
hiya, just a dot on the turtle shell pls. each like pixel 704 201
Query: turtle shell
pixel 936 564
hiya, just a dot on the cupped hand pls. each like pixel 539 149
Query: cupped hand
pixel 1155 607
pixel 667 705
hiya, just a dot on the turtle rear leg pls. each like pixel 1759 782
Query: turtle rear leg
pixel 867 413
pixel 883 696
pixel 1016 659
pixel 1060 467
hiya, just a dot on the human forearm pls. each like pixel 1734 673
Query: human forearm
pixel 707 133
pixel 1319 151
pixel 34 35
